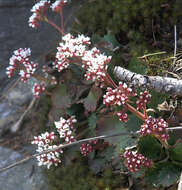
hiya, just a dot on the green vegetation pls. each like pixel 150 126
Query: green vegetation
pixel 77 175
pixel 140 23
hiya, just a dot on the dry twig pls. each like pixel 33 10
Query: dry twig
pixel 17 125
pixel 180 183
pixel 77 142
pixel 160 84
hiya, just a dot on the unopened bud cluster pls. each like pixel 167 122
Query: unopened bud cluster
pixel 87 148
pixel 65 128
pixel 44 143
pixel 123 117
pixel 154 126
pixel 143 100
pixel 134 161
pixel 118 96
pixel 20 61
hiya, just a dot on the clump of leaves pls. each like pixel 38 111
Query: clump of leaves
pixel 77 175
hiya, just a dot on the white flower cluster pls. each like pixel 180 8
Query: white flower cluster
pixel 38 10
pixel 93 60
pixel 44 142
pixel 95 64
pixel 70 47
pixel 20 61
pixel 57 5
pixel 64 128
pixel 38 89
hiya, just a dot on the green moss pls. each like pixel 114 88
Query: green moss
pixel 131 20
pixel 159 64
pixel 77 176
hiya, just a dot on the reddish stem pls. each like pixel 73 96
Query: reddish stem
pixel 145 112
pixel 54 25
pixel 136 112
pixel 110 81
pixel 62 20
pixel 129 107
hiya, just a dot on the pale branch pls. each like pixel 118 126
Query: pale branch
pixel 4 95
pixel 160 84
pixel 174 128
pixel 175 41
pixel 61 146
pixel 180 182
pixel 66 145
pixel 17 125
pixel 175 45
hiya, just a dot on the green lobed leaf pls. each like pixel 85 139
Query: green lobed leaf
pixel 97 165
pixel 111 39
pixel 90 102
pixel 157 98
pixel 107 153
pixel 77 110
pixel 133 124
pixel 150 147
pixel 112 126
pixel 61 101
pixel 164 174
pixel 92 121
pixel 96 38
pixel 61 97
pixel 175 152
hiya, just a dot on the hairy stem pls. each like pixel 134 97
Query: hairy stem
pixel 130 108
pixel 136 112
pixel 54 25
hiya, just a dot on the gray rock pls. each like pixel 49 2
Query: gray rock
pixel 14 105
pixel 27 176
pixel 14 3
pixel 9 114
pixel 15 32
pixel 21 94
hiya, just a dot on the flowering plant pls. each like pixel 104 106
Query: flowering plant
pixel 118 99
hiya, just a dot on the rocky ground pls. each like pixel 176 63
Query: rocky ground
pixel 14 99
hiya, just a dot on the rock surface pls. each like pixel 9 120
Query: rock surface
pixel 27 176
pixel 13 106
pixel 15 33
